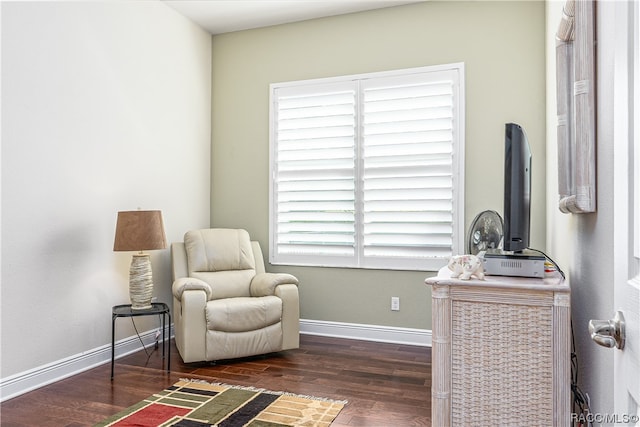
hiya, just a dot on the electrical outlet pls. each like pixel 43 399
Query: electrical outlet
pixel 395 303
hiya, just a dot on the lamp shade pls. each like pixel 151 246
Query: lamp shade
pixel 139 231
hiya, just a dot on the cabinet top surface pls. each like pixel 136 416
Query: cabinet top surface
pixel 553 282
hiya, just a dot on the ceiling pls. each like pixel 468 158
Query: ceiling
pixel 223 16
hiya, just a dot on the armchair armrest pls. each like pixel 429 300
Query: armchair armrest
pixel 264 284
pixel 190 284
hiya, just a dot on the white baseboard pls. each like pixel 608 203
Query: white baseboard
pixel 388 334
pixel 32 379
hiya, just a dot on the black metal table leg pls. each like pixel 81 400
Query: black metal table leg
pixel 169 345
pixel 113 342
pixel 164 320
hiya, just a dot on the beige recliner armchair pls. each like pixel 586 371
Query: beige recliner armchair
pixel 224 303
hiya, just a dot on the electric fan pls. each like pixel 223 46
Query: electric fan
pixel 485 233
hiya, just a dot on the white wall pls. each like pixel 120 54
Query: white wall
pixel 105 107
pixel 583 244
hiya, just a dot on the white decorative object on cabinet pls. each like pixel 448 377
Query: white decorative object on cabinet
pixel 501 351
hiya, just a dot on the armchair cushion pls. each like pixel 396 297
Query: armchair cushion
pixel 265 284
pixel 227 284
pixel 243 314
pixel 219 249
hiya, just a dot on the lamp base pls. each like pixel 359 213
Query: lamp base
pixel 140 282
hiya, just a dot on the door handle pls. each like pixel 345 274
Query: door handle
pixel 608 333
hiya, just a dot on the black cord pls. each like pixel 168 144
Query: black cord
pixel 555 264
pixel 142 342
pixel 580 399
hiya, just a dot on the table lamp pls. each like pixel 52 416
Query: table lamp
pixel 140 231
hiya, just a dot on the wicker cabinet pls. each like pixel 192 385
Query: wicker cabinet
pixel 500 351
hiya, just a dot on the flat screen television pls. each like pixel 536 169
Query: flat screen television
pixel 517 189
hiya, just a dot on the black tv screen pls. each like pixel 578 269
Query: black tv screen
pixel 517 188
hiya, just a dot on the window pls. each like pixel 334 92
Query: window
pixel 366 170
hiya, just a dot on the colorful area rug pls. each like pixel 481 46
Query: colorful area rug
pixel 197 404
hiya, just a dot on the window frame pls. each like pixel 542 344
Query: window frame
pixel 635 191
pixel 458 179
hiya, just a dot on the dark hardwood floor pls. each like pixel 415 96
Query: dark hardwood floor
pixel 386 384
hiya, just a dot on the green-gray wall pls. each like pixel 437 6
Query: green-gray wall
pixel 502 46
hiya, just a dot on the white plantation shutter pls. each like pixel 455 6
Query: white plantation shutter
pixel 408 173
pixel 366 170
pixel 315 173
